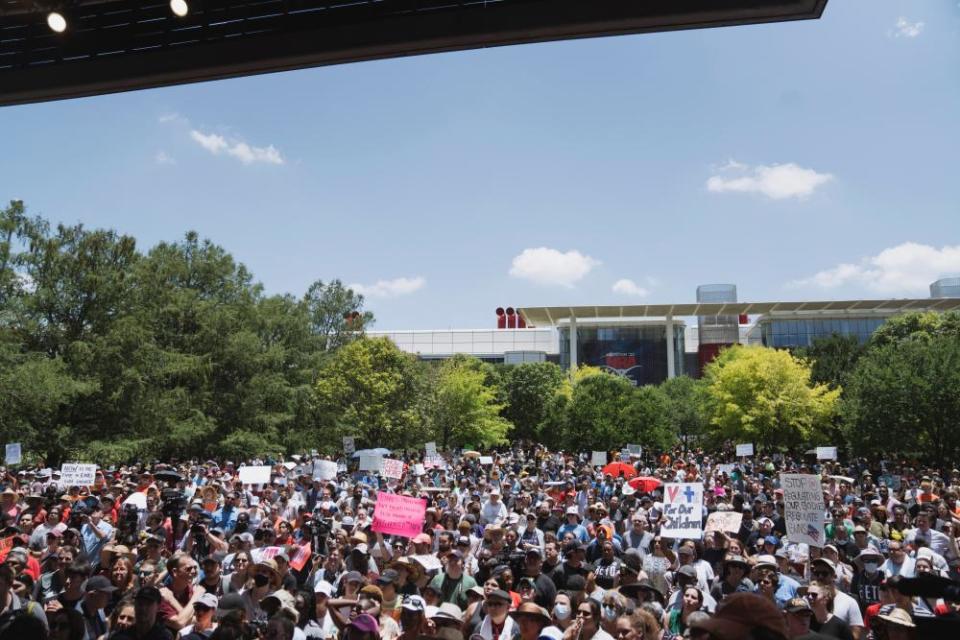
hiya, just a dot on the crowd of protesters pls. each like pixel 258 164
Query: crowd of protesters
pixel 530 545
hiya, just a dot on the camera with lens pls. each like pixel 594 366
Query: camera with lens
pixel 127 525
pixel 174 502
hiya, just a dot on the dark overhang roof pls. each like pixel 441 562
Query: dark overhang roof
pixel 545 316
pixel 119 45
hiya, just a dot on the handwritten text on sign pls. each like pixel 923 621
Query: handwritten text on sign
pixel 399 515
pixel 78 475
pixel 803 508
pixel 392 468
pixel 682 510
pixel 728 521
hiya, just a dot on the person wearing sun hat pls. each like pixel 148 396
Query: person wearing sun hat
pixel 496 624
pixel 532 620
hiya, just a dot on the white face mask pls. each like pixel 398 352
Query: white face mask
pixel 609 613
pixel 870 567
pixel 562 611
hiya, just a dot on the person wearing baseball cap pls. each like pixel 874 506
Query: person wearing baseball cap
pixel 496 623
pixel 452 583
pixel 412 617
pixel 147 626
pixel 203 625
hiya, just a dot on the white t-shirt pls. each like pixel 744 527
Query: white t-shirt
pixel 847 609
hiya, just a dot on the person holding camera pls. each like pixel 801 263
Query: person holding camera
pixel 94 531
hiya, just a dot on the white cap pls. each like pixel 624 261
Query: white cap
pixel 324 587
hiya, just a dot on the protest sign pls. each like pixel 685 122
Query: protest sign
pixel 826 453
pixel 430 449
pixel 13 453
pixel 745 450
pixel 727 521
pixel 398 515
pixel 635 450
pixel 726 468
pixel 392 468
pixel 78 475
pixel 264 553
pixel 349 445
pixel 434 462
pixel 300 557
pixel 682 510
pixel 371 463
pixel 419 470
pixel 289 466
pixel 803 508
pixel 625 456
pixel 324 469
pixel 598 459
pixel 255 475
pixel 486 459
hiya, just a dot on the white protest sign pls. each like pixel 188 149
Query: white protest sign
pixel 289 466
pixel 430 449
pixel 13 453
pixel 803 508
pixel 486 459
pixel 726 468
pixel 635 449
pixel 419 470
pixel 826 453
pixel 625 456
pixel 255 475
pixel 598 459
pixel 682 510
pixel 745 450
pixel 78 475
pixel 728 521
pixel 392 468
pixel 324 469
pixel 349 445
pixel 371 463
pixel 434 462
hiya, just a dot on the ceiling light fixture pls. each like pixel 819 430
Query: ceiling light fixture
pixel 56 22
pixel 180 8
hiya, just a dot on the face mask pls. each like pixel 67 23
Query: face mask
pixel 609 613
pixel 562 611
pixel 261 580
pixel 870 567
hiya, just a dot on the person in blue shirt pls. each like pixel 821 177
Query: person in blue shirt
pixel 96 533
pixel 573 526
pixel 226 516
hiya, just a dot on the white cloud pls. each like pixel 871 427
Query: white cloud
pixel 905 269
pixel 390 288
pixel 778 181
pixel 163 158
pixel 549 266
pixel 245 153
pixel 906 29
pixel 627 287
pixel 172 117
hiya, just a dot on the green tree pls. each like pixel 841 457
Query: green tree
pixel 464 408
pixel 528 389
pixel 336 313
pixel 646 419
pixel 596 412
pixel 765 396
pixel 684 410
pixel 832 358
pixel 916 326
pixel 905 396
pixel 371 389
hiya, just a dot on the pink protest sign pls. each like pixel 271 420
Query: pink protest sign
pixel 398 515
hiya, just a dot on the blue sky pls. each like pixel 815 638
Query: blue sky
pixel 804 160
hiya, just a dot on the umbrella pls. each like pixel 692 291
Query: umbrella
pixel 471 454
pixel 168 475
pixel 843 479
pixel 619 469
pixel 645 484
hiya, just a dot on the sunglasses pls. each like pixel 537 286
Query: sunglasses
pixel 822 574
pixel 584 614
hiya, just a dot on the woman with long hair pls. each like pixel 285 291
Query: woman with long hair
pixel 242 572
pixel 563 609
pixel 660 560
pixel 612 607
pixel 123 617
pixel 586 626
pixel 675 620
pixel 122 577
pixel 768 584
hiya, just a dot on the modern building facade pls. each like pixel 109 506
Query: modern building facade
pixel 637 350
pixel 648 344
